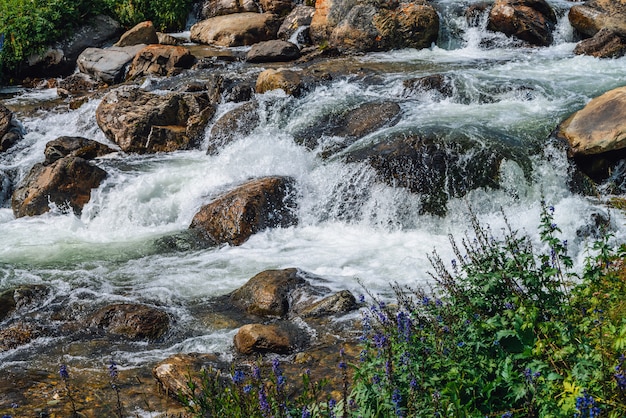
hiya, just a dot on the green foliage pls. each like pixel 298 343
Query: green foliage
pixel 507 331
pixel 29 26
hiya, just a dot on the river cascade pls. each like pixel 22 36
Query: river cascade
pixel 353 230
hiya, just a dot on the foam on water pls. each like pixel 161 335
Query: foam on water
pixel 351 227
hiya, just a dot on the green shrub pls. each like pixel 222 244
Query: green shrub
pixel 29 26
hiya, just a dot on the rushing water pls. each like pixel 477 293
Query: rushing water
pixel 350 226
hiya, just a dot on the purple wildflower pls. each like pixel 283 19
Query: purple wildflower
pixel 65 375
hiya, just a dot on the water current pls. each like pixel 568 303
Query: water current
pixel 350 226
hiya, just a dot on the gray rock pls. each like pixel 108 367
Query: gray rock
pixel 298 20
pixel 235 124
pixel 107 65
pixel 273 51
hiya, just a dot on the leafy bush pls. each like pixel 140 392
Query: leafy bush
pixel 29 26
pixel 508 331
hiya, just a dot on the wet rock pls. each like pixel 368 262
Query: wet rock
pixel 160 60
pixel 77 84
pixel 269 293
pixel 604 44
pixel 592 16
pixel 15 336
pixel 438 165
pixel 107 65
pixel 238 93
pixel 338 303
pixel 212 8
pixel 167 39
pixel 278 7
pixel 5 188
pixel 142 33
pixel 235 124
pixel 273 51
pixel 282 337
pixel 435 82
pixel 372 26
pixel 254 206
pixel 529 20
pixel 299 19
pixel 287 80
pixel 474 13
pixel 60 58
pixel 133 321
pixel 74 146
pixel 144 122
pixel 236 29
pixel 11 130
pixel 174 373
pixel 16 298
pixel 599 127
pixel 350 125
pixel 66 182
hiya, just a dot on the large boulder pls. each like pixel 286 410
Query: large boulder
pixel 76 146
pixel 529 20
pixel 281 337
pixel 605 44
pixel 160 60
pixel 438 165
pixel 273 51
pixel 273 79
pixel 67 181
pixel 141 33
pixel 235 124
pixel 592 16
pixel 269 293
pixel 133 321
pixel 599 127
pixel 278 7
pixel 373 26
pixel 60 58
pixel 144 122
pixel 109 64
pixel 212 8
pixel 236 30
pixel 259 204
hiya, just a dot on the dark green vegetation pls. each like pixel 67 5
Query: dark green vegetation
pixel 508 331
pixel 28 26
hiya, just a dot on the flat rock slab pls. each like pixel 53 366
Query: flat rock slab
pixel 236 30
pixel 273 51
pixel 107 64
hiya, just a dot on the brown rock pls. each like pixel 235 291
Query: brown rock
pixel 5 120
pixel 259 204
pixel 15 336
pixel 287 80
pixel 604 44
pixel 269 292
pixel 67 181
pixel 529 20
pixel 141 33
pixel 282 338
pixel 75 146
pixel 435 82
pixel 212 8
pixel 160 60
pixel 300 17
pixel 278 7
pixel 167 39
pixel 340 302
pixel 592 16
pixel 273 51
pixel 78 83
pixel 134 321
pixel 599 127
pixel 236 30
pixel 361 27
pixel 174 372
pixel 234 124
pixel 144 122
